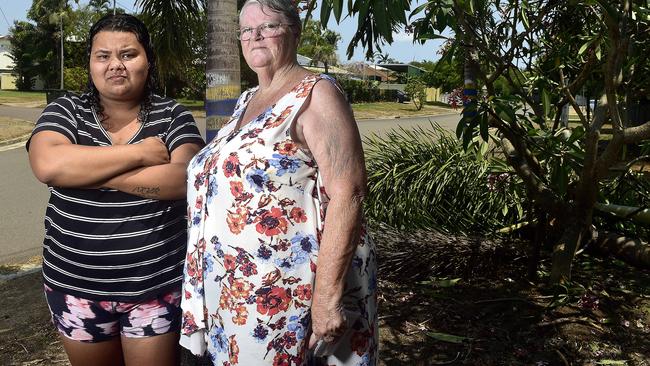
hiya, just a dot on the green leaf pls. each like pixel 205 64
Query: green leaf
pixel 546 102
pixel 338 8
pixel 524 18
pixel 325 11
pixel 485 135
pixel 381 19
pixel 449 338
pixel 504 111
pixel 443 282
pixel 419 9
pixel 584 47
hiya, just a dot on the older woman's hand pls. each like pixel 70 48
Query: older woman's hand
pixel 327 321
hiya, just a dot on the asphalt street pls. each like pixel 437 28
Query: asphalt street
pixel 23 198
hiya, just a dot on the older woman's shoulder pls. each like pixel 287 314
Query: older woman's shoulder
pixel 327 88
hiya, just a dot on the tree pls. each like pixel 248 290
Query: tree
pixel 173 26
pixel 319 44
pixel 561 45
pixel 417 90
pixel 445 75
pixel 23 52
pixel 47 52
pixel 222 71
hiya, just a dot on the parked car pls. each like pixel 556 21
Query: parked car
pixel 402 97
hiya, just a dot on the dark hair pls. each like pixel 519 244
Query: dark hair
pixel 124 23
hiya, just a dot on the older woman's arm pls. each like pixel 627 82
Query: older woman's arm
pixel 328 129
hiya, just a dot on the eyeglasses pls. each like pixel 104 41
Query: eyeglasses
pixel 266 30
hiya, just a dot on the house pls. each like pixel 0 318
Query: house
pixel 7 80
pixel 407 69
pixel 319 67
pixel 364 71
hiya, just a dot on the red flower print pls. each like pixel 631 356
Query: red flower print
pixel 286 147
pixel 303 292
pixel 189 324
pixel 240 288
pixel 271 301
pixel 242 315
pixel 236 188
pixel 274 121
pixel 281 359
pixel 229 262
pixel 302 90
pixel 298 214
pixel 199 202
pixel 248 268
pixel 237 220
pixel 231 165
pixel 234 350
pixel 193 271
pixel 271 222
pixel 226 301
pixel 289 339
pixel 271 278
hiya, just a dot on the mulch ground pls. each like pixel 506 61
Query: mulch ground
pixel 489 317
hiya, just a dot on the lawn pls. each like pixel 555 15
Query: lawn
pixel 22 97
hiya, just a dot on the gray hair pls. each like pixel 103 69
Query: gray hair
pixel 287 8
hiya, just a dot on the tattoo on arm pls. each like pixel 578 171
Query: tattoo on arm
pixel 149 192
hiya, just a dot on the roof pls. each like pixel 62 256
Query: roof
pixel 399 66
pixel 330 69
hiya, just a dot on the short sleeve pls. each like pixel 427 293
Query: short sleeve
pixel 182 129
pixel 58 116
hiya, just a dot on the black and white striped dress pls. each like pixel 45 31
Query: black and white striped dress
pixel 104 244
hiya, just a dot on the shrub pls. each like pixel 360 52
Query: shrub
pixel 358 91
pixel 423 178
pixel 75 78
pixel 416 88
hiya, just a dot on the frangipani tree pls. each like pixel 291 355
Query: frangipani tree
pixel 547 51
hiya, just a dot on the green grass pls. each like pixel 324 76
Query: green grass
pixel 13 96
pixel 392 109
pixel 191 103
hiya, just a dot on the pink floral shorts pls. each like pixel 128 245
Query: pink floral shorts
pixel 96 321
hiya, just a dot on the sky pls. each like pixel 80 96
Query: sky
pixel 403 49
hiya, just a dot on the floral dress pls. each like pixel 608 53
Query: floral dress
pixel 256 209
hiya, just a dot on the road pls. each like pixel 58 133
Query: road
pixel 24 199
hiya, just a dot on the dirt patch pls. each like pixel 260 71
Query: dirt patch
pixel 493 317
pixel 11 128
pixel 26 334
pixel 30 104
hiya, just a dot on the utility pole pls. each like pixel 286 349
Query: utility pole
pixel 61 20
pixel 114 7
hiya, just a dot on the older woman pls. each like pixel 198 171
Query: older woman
pixel 115 161
pixel 278 260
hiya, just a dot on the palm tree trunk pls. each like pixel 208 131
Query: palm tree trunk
pixel 222 68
